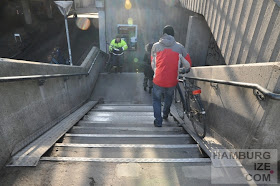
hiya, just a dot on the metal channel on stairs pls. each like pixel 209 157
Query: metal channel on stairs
pixel 125 133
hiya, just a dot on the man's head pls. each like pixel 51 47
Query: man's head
pixel 118 38
pixel 168 30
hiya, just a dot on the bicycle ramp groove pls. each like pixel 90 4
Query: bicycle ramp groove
pixel 121 133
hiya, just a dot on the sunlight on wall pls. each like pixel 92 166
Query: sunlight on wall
pixel 128 4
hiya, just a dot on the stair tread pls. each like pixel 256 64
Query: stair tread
pixel 125 133
pixel 122 124
pixel 117 113
pixel 108 140
pixel 128 135
pixel 128 108
pixel 127 152
pixel 118 118
pixel 127 130
pixel 129 160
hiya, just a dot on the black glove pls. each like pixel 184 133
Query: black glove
pixel 121 49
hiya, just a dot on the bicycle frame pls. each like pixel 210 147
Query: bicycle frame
pixel 195 112
pixel 190 92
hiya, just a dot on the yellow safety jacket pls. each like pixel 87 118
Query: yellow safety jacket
pixel 118 48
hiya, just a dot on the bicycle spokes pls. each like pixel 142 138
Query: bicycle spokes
pixel 198 121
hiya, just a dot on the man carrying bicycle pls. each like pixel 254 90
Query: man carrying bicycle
pixel 167 57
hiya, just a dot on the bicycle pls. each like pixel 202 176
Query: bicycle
pixel 189 103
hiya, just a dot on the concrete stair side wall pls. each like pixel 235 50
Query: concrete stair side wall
pixel 28 109
pixel 246 31
pixel 235 117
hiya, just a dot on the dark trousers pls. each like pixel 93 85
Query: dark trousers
pixel 148 81
pixel 116 61
pixel 168 97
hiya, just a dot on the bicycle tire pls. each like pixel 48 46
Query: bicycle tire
pixel 198 119
pixel 195 123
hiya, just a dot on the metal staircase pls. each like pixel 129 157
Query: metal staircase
pixel 125 133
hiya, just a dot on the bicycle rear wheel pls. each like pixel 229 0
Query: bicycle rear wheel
pixel 197 118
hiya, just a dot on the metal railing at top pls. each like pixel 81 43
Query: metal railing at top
pixel 40 77
pixel 259 91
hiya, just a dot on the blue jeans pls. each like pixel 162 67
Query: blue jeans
pixel 168 97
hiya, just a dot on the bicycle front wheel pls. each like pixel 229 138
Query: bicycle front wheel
pixel 198 123
pixel 179 102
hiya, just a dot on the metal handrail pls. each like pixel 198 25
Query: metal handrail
pixel 263 90
pixel 32 77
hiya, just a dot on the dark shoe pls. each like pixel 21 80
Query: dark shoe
pixel 156 124
pixel 150 90
pixel 165 116
pixel 145 88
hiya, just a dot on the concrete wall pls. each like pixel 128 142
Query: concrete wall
pixel 27 109
pixel 11 67
pixel 121 88
pixel 201 44
pixel 151 17
pixel 198 37
pixel 84 3
pixel 234 115
pixel 102 32
pixel 246 31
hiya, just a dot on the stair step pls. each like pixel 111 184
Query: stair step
pixel 127 152
pixel 123 108
pixel 117 114
pixel 132 140
pixel 126 136
pixel 125 104
pixel 77 145
pixel 123 124
pixel 118 119
pixel 129 160
pixel 126 130
pixel 123 134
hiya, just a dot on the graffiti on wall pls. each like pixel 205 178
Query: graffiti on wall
pixel 214 55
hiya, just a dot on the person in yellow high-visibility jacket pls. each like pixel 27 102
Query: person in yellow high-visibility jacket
pixel 116 49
